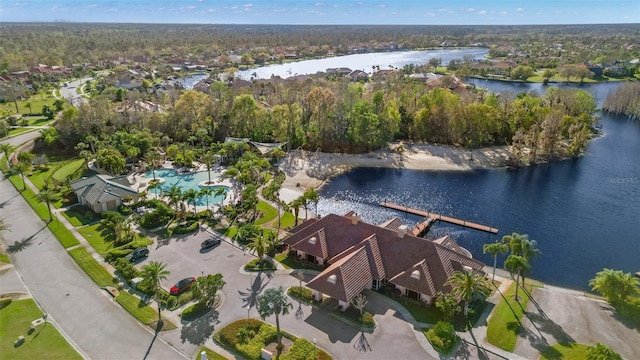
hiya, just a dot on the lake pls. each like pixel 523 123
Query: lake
pixel 364 62
pixel 584 213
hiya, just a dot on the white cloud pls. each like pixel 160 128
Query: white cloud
pixel 247 6
pixel 519 9
pixel 558 11
pixel 471 9
pixel 442 10
pixel 381 6
pixel 482 12
pixel 431 14
pixel 191 7
pixel 319 4
pixel 504 12
pixel 211 10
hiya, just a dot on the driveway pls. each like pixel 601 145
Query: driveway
pixel 568 316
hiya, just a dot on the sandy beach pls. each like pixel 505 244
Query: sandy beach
pixel 305 169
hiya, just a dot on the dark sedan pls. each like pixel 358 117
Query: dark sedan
pixel 209 243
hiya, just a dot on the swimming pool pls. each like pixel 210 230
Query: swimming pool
pixel 188 181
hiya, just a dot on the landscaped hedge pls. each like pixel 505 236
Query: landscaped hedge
pixel 260 265
pixel 190 226
pixel 4 302
pixel 194 311
pixel 303 349
pixel 302 293
pixel 367 320
pixel 442 337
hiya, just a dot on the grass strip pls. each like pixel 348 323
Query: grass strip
pixel 98 273
pixel 212 355
pixel 505 323
pixel 572 351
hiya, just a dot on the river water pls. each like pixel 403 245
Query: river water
pixel 584 213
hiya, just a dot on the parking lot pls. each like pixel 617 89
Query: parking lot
pixel 184 257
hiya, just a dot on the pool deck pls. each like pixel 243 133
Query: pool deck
pixel 140 182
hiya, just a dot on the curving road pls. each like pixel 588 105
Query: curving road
pixel 69 92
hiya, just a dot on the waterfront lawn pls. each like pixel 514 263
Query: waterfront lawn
pixel 571 351
pixel 267 211
pixel 98 273
pixel 45 342
pixel 505 323
pixel 286 221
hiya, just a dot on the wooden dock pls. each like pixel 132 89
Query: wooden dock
pixel 423 226
pixel 438 217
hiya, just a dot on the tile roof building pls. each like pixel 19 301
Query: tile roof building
pixel 101 193
pixel 357 256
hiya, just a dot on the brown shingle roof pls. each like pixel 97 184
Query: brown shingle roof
pixel 388 254
pixel 352 274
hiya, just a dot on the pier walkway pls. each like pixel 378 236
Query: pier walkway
pixel 438 217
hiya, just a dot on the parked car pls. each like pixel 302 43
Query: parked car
pixel 137 254
pixel 210 242
pixel 182 285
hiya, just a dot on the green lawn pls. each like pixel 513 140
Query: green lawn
pixel 68 170
pixel 268 213
pixel 16 131
pixel 99 274
pixel 77 216
pixel 286 221
pixel 38 121
pixel 572 351
pixel 420 312
pixel 36 105
pixel 141 311
pixel 66 238
pixel 98 236
pixel 5 258
pixel 504 325
pixel 45 342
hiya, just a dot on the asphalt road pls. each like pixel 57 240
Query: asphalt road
pixel 69 92
pixel 84 313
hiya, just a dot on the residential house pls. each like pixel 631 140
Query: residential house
pixel 357 256
pixel 102 192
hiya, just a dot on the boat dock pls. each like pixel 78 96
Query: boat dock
pixel 423 226
pixel 437 217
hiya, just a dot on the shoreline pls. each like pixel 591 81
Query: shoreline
pixel 306 169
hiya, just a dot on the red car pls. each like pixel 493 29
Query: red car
pixel 182 285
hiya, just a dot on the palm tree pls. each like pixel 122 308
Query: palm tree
pixel 151 158
pixel 466 284
pixel 175 195
pixel 517 265
pixel 154 185
pixel 601 352
pixel 295 204
pixel 259 243
pixel 153 274
pixel 21 168
pixel 495 249
pixel 208 159
pixel 7 149
pixel 47 196
pixel 311 195
pixel 274 302
pixel 615 285
pixel 206 192
pixel 191 195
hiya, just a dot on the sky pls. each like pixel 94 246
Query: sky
pixel 325 12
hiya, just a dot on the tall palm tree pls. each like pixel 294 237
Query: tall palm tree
pixel 466 284
pixel 274 302
pixel 206 192
pixel 295 204
pixel 208 159
pixel 153 274
pixel 21 168
pixel 151 158
pixel 191 195
pixel 7 149
pixel 175 195
pixel 517 265
pixel 47 196
pixel 154 185
pixel 311 195
pixel 495 249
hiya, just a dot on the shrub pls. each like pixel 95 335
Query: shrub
pixel 194 311
pixel 302 293
pixel 125 210
pixel 4 302
pixel 229 334
pixel 442 336
pixel 302 349
pixel 260 265
pixel 367 320
pixel 127 269
pixel 190 226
